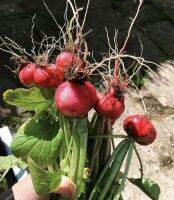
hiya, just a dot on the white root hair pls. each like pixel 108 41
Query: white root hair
pixel 49 44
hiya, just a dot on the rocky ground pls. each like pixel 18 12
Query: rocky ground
pixel 158 158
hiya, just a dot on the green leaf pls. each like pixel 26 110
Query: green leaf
pixel 28 99
pixel 10 161
pixel 48 93
pixel 7 162
pixel 44 182
pixel 40 138
pixel 150 188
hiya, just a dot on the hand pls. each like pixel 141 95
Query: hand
pixel 24 190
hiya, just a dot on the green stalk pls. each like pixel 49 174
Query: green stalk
pixel 108 136
pixel 111 192
pixel 64 125
pixel 83 136
pixel 75 154
pixel 95 171
pixel 107 166
pixel 65 147
pixel 111 133
pixel 105 150
pixel 115 169
pixel 66 128
pixel 51 168
pixel 68 134
pixel 124 177
pixel 139 158
pixel 65 162
pixel 93 123
pixel 98 142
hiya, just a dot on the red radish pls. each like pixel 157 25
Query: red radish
pixel 93 94
pixel 140 128
pixel 73 99
pixel 48 77
pixel 67 59
pixel 56 73
pixel 26 75
pixel 110 106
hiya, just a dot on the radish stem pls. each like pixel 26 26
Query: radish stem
pixel 115 169
pixel 83 135
pixel 124 177
pixel 75 154
pixel 107 166
pixel 141 164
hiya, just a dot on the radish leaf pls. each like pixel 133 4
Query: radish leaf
pixel 40 138
pixel 11 161
pixel 149 187
pixel 7 162
pixel 44 182
pixel 28 99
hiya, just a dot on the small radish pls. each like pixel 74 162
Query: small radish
pixel 48 77
pixel 73 99
pixel 140 128
pixel 67 59
pixel 110 106
pixel 26 75
pixel 93 93
pixel 56 73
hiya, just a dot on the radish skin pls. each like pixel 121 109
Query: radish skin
pixel 26 75
pixel 110 106
pixel 48 77
pixel 140 128
pixel 73 99
pixel 67 59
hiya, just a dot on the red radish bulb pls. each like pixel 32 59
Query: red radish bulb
pixel 93 94
pixel 110 106
pixel 26 75
pixel 48 77
pixel 67 59
pixel 140 128
pixel 73 99
pixel 56 74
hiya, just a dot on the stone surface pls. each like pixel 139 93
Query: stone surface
pixel 161 33
pixel 164 81
pixel 166 7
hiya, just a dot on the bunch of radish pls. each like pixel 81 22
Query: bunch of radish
pixel 69 142
pixel 74 97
